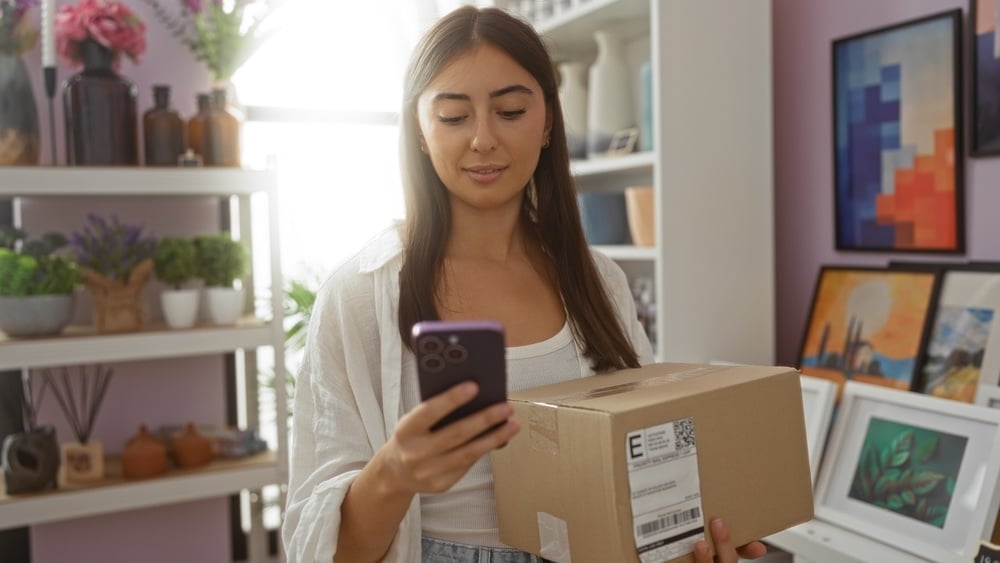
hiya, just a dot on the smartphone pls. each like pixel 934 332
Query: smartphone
pixel 450 352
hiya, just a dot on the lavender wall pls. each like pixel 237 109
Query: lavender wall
pixel 803 152
pixel 152 393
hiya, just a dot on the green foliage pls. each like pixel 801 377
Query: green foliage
pixel 299 299
pixel 221 260
pixel 175 261
pixel 894 477
pixel 36 268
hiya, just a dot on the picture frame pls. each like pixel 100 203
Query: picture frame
pixel 869 324
pixel 817 403
pixel 914 471
pixel 623 142
pixel 963 348
pixel 984 49
pixel 988 396
pixel 898 137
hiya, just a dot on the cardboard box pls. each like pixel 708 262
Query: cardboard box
pixel 647 456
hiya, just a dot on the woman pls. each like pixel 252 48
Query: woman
pixel 492 231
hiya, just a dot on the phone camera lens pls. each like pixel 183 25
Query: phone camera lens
pixel 456 353
pixel 431 345
pixel 432 363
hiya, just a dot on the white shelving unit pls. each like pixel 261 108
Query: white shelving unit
pixel 711 167
pixel 820 542
pixel 78 345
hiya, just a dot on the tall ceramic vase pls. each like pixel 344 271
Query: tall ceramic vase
pixel 609 96
pixel 573 97
pixel 101 113
pixel 18 114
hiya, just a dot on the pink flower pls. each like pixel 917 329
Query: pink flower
pixel 193 6
pixel 107 22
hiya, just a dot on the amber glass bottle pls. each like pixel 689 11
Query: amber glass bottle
pixel 196 125
pixel 163 130
pixel 222 133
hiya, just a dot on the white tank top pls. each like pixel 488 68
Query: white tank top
pixel 466 513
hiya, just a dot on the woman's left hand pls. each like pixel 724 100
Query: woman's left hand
pixel 725 552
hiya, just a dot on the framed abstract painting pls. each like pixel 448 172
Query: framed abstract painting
pixel 897 121
pixel 985 49
pixel 916 472
pixel 868 324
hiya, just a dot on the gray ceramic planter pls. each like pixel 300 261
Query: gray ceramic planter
pixel 36 315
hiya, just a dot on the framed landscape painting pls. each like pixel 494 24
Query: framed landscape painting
pixel 898 179
pixel 913 471
pixel 985 66
pixel 963 350
pixel 868 324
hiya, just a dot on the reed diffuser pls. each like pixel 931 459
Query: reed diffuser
pixel 83 460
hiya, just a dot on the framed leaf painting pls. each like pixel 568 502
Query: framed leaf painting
pixel 868 324
pixel 897 121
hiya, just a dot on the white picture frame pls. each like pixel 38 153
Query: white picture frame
pixel 988 396
pixel 818 398
pixel 964 445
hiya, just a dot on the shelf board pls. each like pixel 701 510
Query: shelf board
pixel 819 541
pixel 592 167
pixel 115 493
pixel 64 181
pixel 82 344
pixel 628 252
pixel 572 31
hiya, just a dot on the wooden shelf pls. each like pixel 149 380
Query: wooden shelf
pixel 628 252
pixel 572 31
pixel 87 181
pixel 80 345
pixel 115 493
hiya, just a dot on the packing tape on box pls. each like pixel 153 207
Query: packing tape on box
pixel 553 538
pixel 632 386
pixel 543 430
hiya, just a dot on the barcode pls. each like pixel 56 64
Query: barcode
pixel 684 432
pixel 669 521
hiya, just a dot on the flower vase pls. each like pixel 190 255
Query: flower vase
pixel 117 303
pixel 609 94
pixel 101 112
pixel 18 114
pixel 83 463
pixel 221 136
pixel 573 98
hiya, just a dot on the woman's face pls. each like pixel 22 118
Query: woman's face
pixel 483 121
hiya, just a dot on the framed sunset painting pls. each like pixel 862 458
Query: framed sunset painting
pixel 868 324
pixel 897 121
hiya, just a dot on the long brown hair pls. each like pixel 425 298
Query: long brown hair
pixel 549 207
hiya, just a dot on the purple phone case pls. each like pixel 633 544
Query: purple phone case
pixel 449 352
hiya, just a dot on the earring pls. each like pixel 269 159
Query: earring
pixel 545 145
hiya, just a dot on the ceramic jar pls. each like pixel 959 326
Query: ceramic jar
pixel 609 93
pixel 191 449
pixel 143 456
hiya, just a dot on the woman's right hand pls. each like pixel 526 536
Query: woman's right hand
pixel 418 460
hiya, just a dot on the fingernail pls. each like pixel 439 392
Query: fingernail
pixel 468 389
pixel 504 409
pixel 718 527
pixel 701 549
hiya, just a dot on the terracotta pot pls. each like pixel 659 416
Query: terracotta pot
pixel 144 456
pixel 191 449
pixel 117 303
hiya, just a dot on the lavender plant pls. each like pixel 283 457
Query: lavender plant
pixel 112 248
pixel 15 36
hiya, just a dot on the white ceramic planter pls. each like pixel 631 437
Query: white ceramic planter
pixel 180 307
pixel 609 93
pixel 35 315
pixel 225 304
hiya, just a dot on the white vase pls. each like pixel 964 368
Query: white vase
pixel 225 304
pixel 180 307
pixel 573 98
pixel 609 95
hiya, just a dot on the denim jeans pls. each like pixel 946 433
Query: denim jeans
pixel 440 551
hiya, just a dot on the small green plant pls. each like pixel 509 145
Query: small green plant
pixel 35 267
pixel 175 261
pixel 112 248
pixel 221 260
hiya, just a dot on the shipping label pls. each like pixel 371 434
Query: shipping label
pixel 667 516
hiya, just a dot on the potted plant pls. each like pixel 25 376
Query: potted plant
pixel 221 261
pixel 116 264
pixel 36 284
pixel 175 263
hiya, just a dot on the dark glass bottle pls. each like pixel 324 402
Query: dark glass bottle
pixel 163 130
pixel 196 125
pixel 100 111
pixel 222 133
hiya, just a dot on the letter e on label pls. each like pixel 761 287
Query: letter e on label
pixel 635 446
